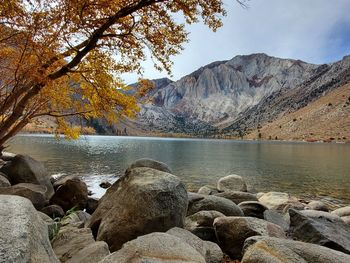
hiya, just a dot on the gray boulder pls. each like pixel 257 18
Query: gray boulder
pixel 4 182
pixel 322 230
pixel 24 169
pixel 232 182
pixel 210 251
pixel 237 196
pixel 344 211
pixel 231 232
pixel 259 249
pixel 346 219
pixel 92 253
pixel 317 205
pixel 155 248
pixel 198 202
pixel 23 234
pixel 143 201
pixel 201 224
pixel 208 190
pixel 53 211
pixel 149 163
pixel 276 218
pixel 280 201
pixel 72 193
pixel 253 209
pixel 34 192
pixel 77 219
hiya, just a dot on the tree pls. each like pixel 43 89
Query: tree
pixel 64 58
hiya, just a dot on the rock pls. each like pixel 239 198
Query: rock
pixel 198 202
pixel 93 253
pixel 233 231
pixel 201 224
pixel 261 249
pixel 76 218
pixel 91 205
pixel 322 230
pixel 346 219
pixel 23 234
pixel 320 214
pixel 70 240
pixel 206 249
pixel 34 192
pixel 53 211
pixel 252 209
pixel 237 197
pixel 52 226
pixel 143 201
pixel 208 190
pixel 232 182
pixel 260 194
pixel 279 201
pixel 62 179
pixel 276 218
pixel 149 163
pixel 72 193
pixel 4 182
pixel 155 248
pixel 24 169
pixel 105 185
pixel 317 205
pixel 7 156
pixel 344 211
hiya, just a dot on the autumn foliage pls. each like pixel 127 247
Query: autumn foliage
pixel 64 58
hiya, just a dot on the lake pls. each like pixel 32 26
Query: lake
pixel 303 169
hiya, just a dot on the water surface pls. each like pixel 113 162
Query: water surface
pixel 311 169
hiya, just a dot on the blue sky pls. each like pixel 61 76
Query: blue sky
pixel 316 31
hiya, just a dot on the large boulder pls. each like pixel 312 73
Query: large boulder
pixel 4 182
pixel 201 224
pixel 232 182
pixel 149 163
pixel 253 209
pixel 77 219
pixel 92 253
pixel 231 232
pixel 23 234
pixel 143 201
pixel 343 211
pixel 323 230
pixel 53 211
pixel 34 192
pixel 155 248
pixel 280 201
pixel 208 190
pixel 198 202
pixel 237 196
pixel 24 169
pixel 276 218
pixel 61 179
pixel 211 252
pixel 70 242
pixel 259 249
pixel 91 205
pixel 72 193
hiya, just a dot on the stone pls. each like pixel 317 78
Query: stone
pixel 237 197
pixel 208 190
pixel 253 209
pixel 346 219
pixel 91 205
pixel 34 192
pixel 261 249
pixel 7 156
pixel 72 193
pixel 201 224
pixel 232 182
pixel 143 201
pixel 233 231
pixel 70 240
pixel 276 218
pixel 105 185
pixel 209 251
pixel 53 211
pixel 322 230
pixel 317 205
pixel 61 179
pixel 155 248
pixel 92 253
pixel 4 182
pixel 52 225
pixel 279 201
pixel 23 234
pixel 344 211
pixel 76 218
pixel 145 162
pixel 198 202
pixel 320 214
pixel 24 169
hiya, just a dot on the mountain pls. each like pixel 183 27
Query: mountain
pixel 238 96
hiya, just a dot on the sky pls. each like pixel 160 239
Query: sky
pixel 315 31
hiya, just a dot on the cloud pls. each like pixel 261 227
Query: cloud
pixel 316 31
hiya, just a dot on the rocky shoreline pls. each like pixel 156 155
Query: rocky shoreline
pixel 149 216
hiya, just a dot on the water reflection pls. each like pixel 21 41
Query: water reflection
pixel 316 169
